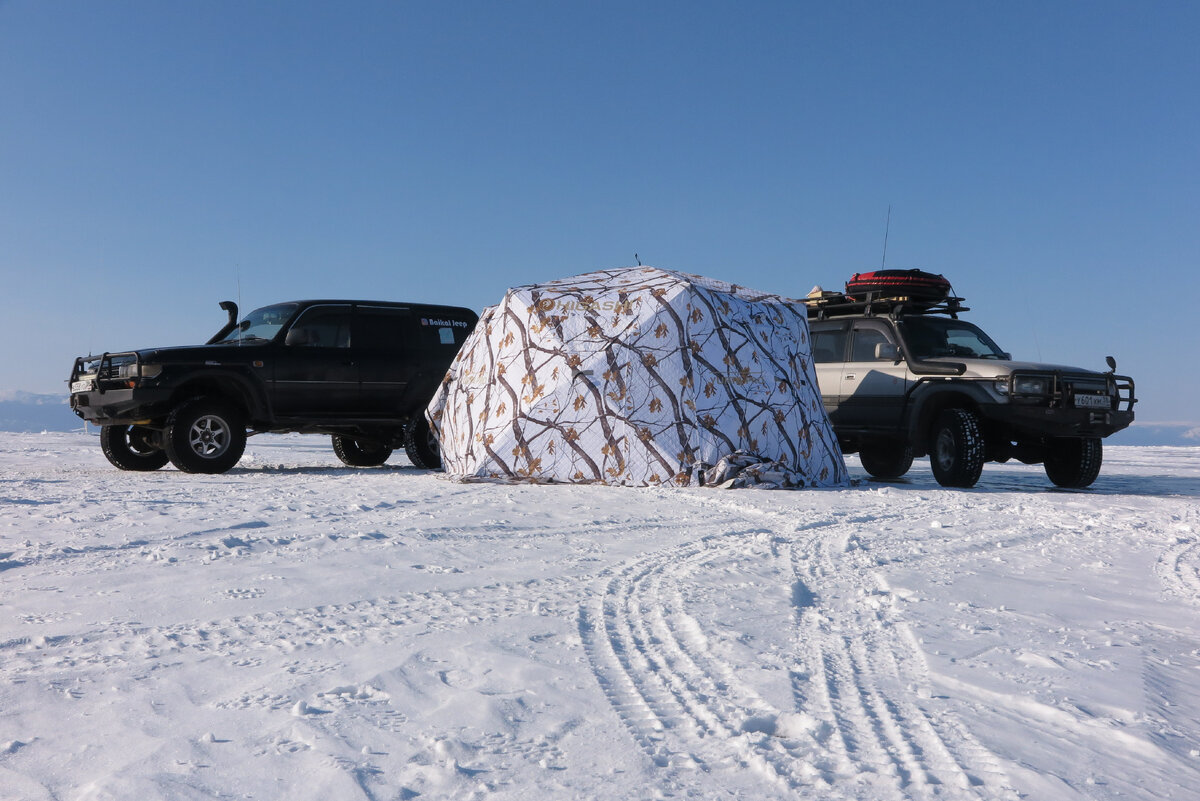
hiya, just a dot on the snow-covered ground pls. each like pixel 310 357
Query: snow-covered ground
pixel 296 629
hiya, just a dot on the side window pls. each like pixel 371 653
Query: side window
pixel 382 328
pixel 829 345
pixel 321 327
pixel 865 340
pixel 436 331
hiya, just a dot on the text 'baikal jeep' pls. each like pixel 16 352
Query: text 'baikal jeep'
pixel 902 376
pixel 360 371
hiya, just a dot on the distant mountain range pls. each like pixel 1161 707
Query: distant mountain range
pixel 26 411
pixel 30 412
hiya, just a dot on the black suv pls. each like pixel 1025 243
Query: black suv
pixel 902 379
pixel 360 371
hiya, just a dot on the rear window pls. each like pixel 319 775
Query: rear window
pixel 442 331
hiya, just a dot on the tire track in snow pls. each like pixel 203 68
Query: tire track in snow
pixel 683 705
pixel 852 685
pixel 872 673
pixel 1179 569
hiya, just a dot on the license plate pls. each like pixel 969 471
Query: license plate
pixel 81 386
pixel 1093 401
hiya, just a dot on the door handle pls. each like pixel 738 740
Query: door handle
pixel 849 376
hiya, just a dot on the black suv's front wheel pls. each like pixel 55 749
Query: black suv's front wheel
pixel 957 451
pixel 205 436
pixel 132 448
pixel 1074 463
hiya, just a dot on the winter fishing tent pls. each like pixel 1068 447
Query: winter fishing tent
pixel 637 376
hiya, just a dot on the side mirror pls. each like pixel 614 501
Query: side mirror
pixel 887 352
pixel 1111 362
pixel 297 336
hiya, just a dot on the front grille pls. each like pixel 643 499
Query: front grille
pixel 1088 386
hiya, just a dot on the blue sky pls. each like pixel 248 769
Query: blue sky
pixel 156 158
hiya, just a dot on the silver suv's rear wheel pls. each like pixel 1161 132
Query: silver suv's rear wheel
pixel 957 452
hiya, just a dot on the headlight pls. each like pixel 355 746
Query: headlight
pixel 1028 385
pixel 130 371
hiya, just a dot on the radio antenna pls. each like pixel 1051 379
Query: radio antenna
pixel 238 277
pixel 886 230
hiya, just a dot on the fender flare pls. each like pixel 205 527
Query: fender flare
pixel 248 393
pixel 929 397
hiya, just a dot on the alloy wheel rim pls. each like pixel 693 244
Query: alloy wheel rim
pixel 209 436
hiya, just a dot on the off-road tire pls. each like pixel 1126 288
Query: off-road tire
pixel 421 446
pixel 886 459
pixel 205 436
pixel 1074 463
pixel 956 451
pixel 360 453
pixel 131 448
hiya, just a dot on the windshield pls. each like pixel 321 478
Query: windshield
pixel 262 324
pixel 931 337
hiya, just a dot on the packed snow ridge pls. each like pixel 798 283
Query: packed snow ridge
pixel 298 629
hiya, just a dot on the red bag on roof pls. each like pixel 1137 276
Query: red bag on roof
pixel 917 285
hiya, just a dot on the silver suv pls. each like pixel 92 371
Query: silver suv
pixel 903 380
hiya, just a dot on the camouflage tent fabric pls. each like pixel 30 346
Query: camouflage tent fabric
pixel 636 376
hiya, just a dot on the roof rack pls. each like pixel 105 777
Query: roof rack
pixel 836 304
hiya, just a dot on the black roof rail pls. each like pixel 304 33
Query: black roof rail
pixel 835 304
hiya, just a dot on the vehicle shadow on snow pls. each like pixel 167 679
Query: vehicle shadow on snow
pixel 326 470
pixel 1152 486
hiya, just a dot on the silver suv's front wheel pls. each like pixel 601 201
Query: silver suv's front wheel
pixel 1074 463
pixel 957 452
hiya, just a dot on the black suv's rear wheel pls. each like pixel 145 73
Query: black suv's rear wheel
pixel 1074 463
pixel 956 455
pixel 205 436
pixel 421 446
pixel 132 448
pixel 360 453
pixel 886 459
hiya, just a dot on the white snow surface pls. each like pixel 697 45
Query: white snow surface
pixel 295 629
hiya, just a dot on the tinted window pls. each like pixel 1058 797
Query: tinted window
pixel 865 340
pixel 322 327
pixel 439 331
pixel 931 337
pixel 382 328
pixel 829 345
